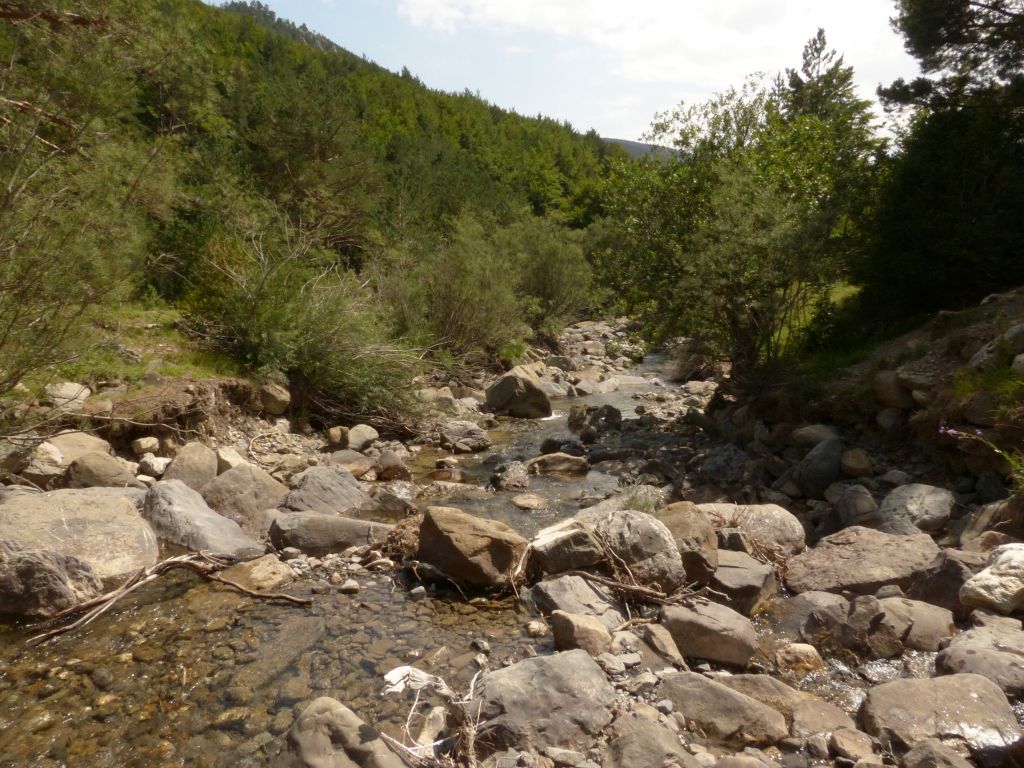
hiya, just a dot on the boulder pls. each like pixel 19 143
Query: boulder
pixel 711 631
pixel 154 466
pixel 769 527
pixel 558 464
pixel 45 465
pixel 920 626
pixel 320 534
pixel 244 494
pixel 856 506
pixel 519 393
pixel 330 735
pixel 352 462
pixel 561 701
pixel 228 458
pixel 100 470
pixel 889 391
pixel 565 546
pixel 856 463
pixel 1000 585
pixel 38 583
pixel 464 437
pixel 695 538
pixel 798 659
pixel 995 652
pixel 195 465
pixel 813 716
pixel 773 693
pixel 101 527
pixel 73 445
pixel 574 594
pixel 575 630
pixel 143 445
pixel 818 469
pixel 181 516
pixel 940 583
pixel 514 475
pixel 924 506
pixel 645 743
pixel 861 560
pixel 723 714
pixel 66 396
pixel 328 490
pixel 961 709
pixel 361 436
pixel 810 435
pixel 932 753
pixel 642 543
pixel 390 466
pixel 471 551
pixel 747 583
pixel 274 398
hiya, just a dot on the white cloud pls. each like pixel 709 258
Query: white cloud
pixel 693 47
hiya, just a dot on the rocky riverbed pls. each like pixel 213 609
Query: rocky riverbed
pixel 572 567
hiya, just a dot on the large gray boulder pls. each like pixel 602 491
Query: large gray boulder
pixel 37 583
pixel 995 652
pixel 560 701
pixel 747 583
pixel 962 709
pixel 642 543
pixel 645 743
pixel 519 393
pixel 318 534
pixel 920 626
pixel 566 546
pixel 195 465
pixel 924 507
pixel 329 490
pixel 861 560
pixel 181 516
pixel 101 527
pixel 695 537
pixel 330 735
pixel 722 713
pixel 244 494
pixel 100 470
pixel 472 551
pixel 711 631
pixel 771 528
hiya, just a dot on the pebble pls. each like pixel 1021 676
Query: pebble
pixel 418 592
pixel 350 587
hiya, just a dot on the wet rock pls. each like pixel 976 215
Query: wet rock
pixel 995 652
pixel 642 543
pixel 361 436
pixel 924 506
pixel 574 630
pixel 464 437
pixel 558 464
pixel 195 465
pixel 470 550
pixel 769 527
pixel 243 494
pixel 711 631
pixel 932 753
pixel 962 708
pixel 819 469
pixel 1000 585
pixel 100 470
pixel 296 635
pixel 101 527
pixel 574 594
pixel 392 467
pixel 180 515
pixel 722 713
pixel 264 574
pixel 512 476
pixel 940 583
pixel 37 583
pixel 562 700
pixel 860 626
pixel 519 393
pixel 274 398
pixel 565 546
pixel 748 583
pixel 328 490
pixel 319 534
pixel 695 538
pixel 529 502
pixel 798 659
pixel 645 743
pixel 919 626
pixel 330 735
pixel 861 560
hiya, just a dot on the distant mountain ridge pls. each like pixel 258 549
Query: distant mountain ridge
pixel 641 149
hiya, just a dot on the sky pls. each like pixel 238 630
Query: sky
pixel 599 64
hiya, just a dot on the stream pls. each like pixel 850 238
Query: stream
pixel 189 673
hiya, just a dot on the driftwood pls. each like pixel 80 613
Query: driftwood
pixel 204 564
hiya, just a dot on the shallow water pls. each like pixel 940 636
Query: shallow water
pixel 189 673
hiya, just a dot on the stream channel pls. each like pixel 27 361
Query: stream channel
pixel 190 673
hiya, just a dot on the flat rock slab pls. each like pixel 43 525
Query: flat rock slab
pixel 99 526
pixel 722 713
pixel 711 631
pixel 995 652
pixel 574 594
pixel 861 560
pixel 963 708
pixel 329 490
pixel 562 700
pixel 319 534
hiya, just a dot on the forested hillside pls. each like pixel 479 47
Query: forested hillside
pixel 290 199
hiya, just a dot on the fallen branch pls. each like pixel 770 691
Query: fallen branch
pixel 206 565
